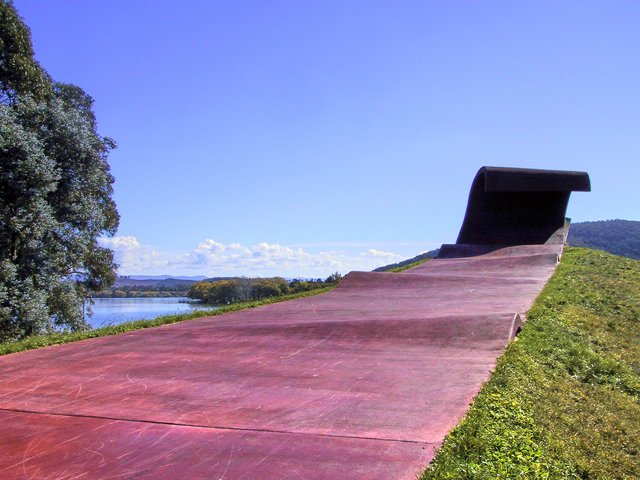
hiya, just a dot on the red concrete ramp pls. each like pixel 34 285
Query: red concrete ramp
pixel 362 382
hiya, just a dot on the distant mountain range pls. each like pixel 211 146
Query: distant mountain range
pixel 195 278
pixel 620 237
pixel 161 281
pixel 167 282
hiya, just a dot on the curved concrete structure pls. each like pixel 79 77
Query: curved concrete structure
pixel 518 206
pixel 362 382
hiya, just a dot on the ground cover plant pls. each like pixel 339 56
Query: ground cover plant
pixel 402 268
pixel 409 263
pixel 38 341
pixel 564 401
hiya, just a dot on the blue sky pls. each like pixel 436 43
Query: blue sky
pixel 302 138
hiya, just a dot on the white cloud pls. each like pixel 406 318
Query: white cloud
pixel 212 258
pixel 121 242
pixel 131 255
pixel 372 252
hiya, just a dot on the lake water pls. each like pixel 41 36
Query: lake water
pixel 112 311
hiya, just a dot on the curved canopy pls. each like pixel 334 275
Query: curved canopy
pixel 518 206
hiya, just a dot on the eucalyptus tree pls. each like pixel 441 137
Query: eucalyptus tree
pixel 55 194
pixel 20 73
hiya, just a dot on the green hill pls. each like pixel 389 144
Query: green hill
pixel 620 237
pixel 564 400
pixel 411 262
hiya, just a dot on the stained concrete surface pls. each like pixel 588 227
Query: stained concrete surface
pixel 362 382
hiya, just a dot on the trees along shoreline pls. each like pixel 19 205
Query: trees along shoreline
pixel 240 289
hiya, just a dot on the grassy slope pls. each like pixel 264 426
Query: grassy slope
pixel 54 339
pixel 564 401
pixel 411 262
pixel 407 266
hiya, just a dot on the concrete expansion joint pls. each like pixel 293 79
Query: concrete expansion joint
pixel 219 427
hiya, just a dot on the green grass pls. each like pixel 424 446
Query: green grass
pixel 58 338
pixel 564 401
pixel 402 268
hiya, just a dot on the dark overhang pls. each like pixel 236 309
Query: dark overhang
pixel 503 179
pixel 515 206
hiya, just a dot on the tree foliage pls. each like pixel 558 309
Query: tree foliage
pixel 55 194
pixel 20 73
pixel 245 289
pixel 220 292
pixel 620 237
